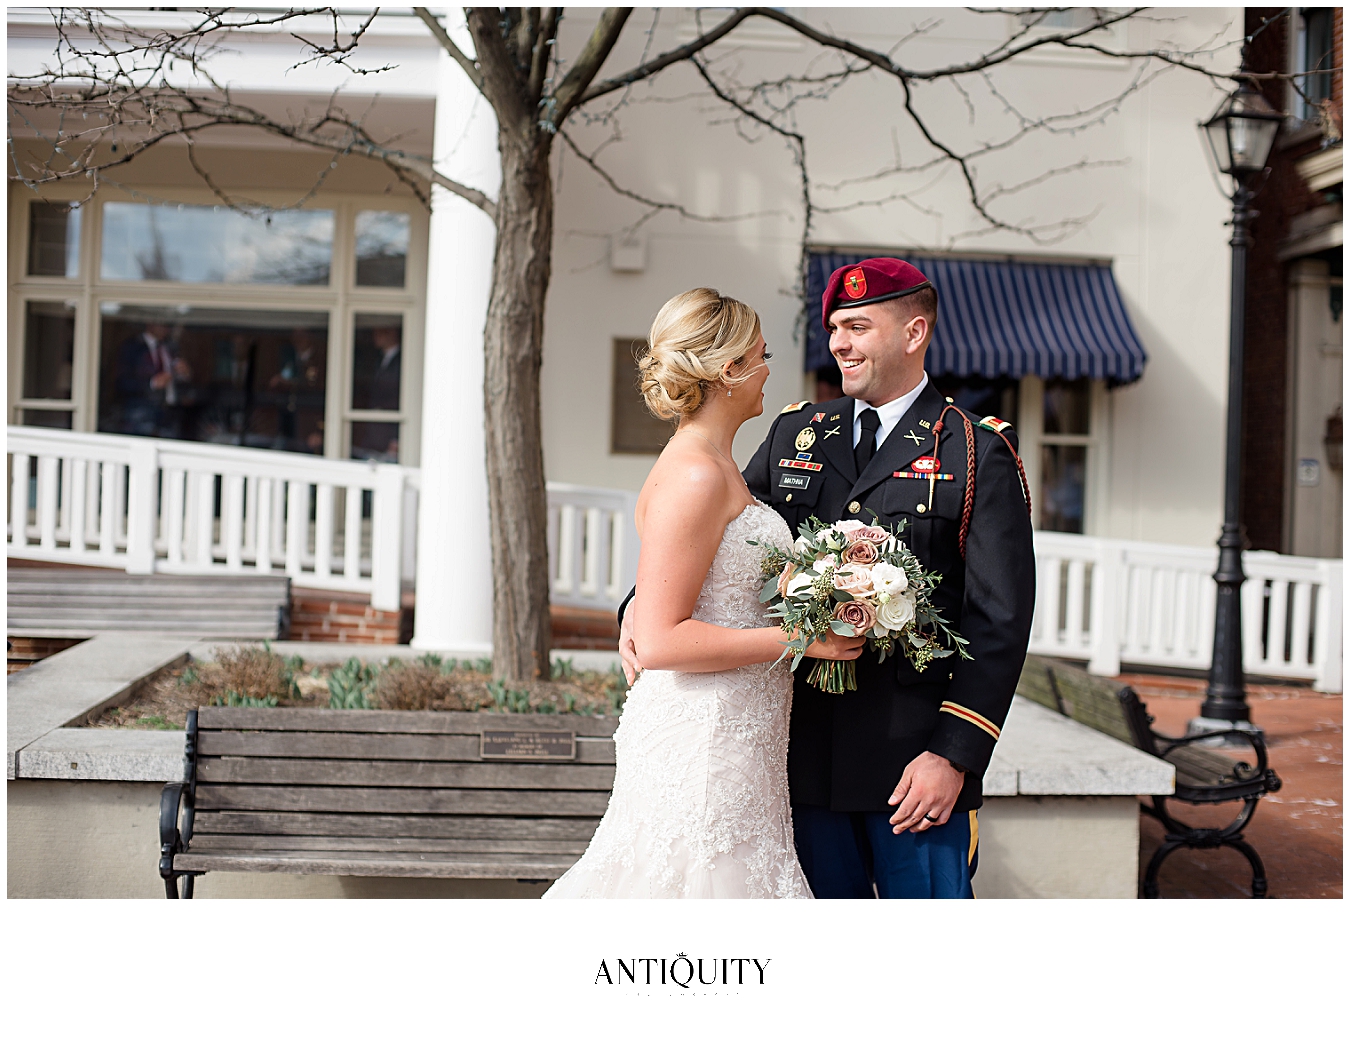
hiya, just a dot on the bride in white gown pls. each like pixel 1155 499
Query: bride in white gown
pixel 700 802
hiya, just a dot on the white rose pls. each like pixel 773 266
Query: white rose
pixel 896 612
pixel 801 583
pixel 801 544
pixel 847 526
pixel 824 563
pixel 889 580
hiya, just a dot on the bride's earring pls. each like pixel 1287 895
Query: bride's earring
pixel 728 393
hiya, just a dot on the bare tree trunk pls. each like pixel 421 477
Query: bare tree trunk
pixel 513 343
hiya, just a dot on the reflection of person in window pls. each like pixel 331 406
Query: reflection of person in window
pixel 151 382
pixel 378 372
pixel 301 379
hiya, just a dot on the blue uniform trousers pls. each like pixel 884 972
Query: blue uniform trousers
pixel 856 855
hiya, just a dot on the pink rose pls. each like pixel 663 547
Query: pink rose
pixel 876 535
pixel 785 577
pixel 854 580
pixel 861 552
pixel 858 613
pixel 848 527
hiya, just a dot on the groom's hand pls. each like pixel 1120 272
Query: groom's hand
pixel 928 790
pixel 627 648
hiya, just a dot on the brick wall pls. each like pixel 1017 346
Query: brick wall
pixel 318 616
pixel 1265 368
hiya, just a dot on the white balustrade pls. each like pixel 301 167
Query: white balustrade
pixel 147 505
pixel 1116 603
pixel 592 545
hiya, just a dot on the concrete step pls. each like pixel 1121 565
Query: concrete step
pixel 54 603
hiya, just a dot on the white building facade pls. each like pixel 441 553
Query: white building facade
pixel 349 326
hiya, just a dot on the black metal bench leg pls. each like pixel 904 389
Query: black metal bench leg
pixel 1165 849
pixel 1258 867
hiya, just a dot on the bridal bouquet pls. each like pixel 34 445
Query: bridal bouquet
pixel 852 578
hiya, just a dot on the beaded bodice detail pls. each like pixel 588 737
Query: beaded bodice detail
pixel 700 801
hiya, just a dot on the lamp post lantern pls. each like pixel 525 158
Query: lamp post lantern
pixel 1241 134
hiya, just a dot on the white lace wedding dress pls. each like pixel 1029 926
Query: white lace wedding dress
pixel 700 802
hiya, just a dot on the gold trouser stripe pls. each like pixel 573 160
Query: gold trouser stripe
pixel 974 837
pixel 975 719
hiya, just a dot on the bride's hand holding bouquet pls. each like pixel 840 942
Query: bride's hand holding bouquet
pixel 851 579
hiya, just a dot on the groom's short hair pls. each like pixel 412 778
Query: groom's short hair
pixel 924 302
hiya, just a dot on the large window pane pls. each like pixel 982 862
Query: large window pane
pixel 53 240
pixel 48 350
pixel 377 362
pixel 375 441
pixel 381 248
pixel 254 378
pixel 1063 482
pixel 214 244
pixel 1066 406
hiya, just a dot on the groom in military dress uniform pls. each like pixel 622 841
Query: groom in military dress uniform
pixel 885 779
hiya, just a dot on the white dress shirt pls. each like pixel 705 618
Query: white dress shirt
pixel 890 413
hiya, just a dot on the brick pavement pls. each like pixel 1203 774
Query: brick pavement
pixel 1298 831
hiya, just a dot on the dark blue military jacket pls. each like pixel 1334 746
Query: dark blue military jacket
pixel 847 752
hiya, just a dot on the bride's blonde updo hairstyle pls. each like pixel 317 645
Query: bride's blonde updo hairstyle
pixel 693 339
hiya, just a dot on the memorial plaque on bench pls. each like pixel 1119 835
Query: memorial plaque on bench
pixel 528 746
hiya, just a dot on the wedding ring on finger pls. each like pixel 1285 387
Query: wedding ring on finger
pixel 930 818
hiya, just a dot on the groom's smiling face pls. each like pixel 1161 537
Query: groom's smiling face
pixel 879 348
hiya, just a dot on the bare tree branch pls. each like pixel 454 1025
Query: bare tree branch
pixel 448 45
pixel 587 64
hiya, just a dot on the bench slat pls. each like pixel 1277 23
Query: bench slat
pixel 592 750
pixel 468 775
pixel 386 800
pixel 250 844
pixel 321 824
pixel 317 719
pixel 464 865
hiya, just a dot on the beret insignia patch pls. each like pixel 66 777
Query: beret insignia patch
pixel 855 283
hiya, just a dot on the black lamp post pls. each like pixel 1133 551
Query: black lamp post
pixel 1240 134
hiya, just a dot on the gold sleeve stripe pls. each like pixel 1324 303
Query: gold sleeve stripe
pixel 966 714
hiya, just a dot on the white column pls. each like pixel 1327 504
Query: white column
pixel 454 560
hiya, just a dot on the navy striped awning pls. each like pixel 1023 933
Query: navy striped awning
pixel 1007 319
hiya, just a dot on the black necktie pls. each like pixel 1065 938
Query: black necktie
pixel 867 443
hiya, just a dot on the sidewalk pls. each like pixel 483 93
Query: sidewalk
pixel 1298 831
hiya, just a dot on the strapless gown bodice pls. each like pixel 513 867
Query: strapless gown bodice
pixel 700 801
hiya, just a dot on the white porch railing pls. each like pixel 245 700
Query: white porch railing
pixel 145 505
pixel 592 545
pixel 1132 602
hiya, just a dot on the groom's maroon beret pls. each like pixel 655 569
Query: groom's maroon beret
pixel 870 281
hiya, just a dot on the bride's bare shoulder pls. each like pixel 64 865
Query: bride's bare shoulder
pixel 685 481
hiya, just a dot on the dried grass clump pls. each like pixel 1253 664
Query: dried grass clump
pixel 251 671
pixel 419 686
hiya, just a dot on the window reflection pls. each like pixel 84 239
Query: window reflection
pixel 377 362
pixel 1063 485
pixel 182 243
pixel 48 350
pixel 375 441
pixel 381 248
pixel 48 419
pixel 1066 406
pixel 53 240
pixel 249 378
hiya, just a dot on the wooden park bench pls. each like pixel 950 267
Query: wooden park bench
pixel 384 794
pixel 1204 776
